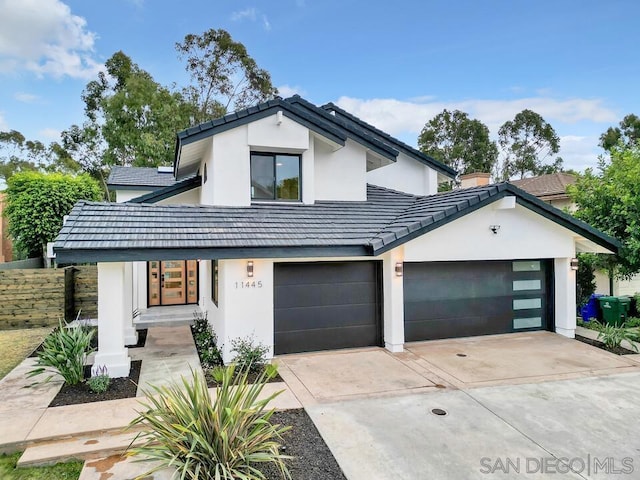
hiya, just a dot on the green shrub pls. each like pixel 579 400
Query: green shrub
pixel 64 351
pixel 249 356
pixel 592 325
pixel 99 383
pixel 612 336
pixel 223 439
pixel 206 341
pixel 632 322
pixel 271 370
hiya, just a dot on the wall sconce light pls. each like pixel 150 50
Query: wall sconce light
pixel 250 268
pixel 494 228
pixel 574 264
pixel 399 269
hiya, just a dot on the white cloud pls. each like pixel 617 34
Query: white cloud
pixel 579 152
pixel 26 97
pixel 265 23
pixel 250 13
pixel 398 116
pixel 406 118
pixel 44 37
pixel 49 133
pixel 289 90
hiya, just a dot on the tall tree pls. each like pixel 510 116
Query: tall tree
pixel 526 142
pixel 459 141
pixel 37 203
pixel 223 75
pixel 130 120
pixel 627 133
pixel 609 199
pixel 17 154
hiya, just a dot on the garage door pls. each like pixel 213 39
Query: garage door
pixel 328 305
pixel 460 299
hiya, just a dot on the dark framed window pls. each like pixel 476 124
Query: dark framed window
pixel 275 176
pixel 214 282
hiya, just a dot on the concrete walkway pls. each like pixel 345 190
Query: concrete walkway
pixel 21 408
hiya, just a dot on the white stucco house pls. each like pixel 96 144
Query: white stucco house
pixel 313 230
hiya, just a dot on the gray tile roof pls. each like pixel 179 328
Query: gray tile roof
pixel 336 127
pixel 121 232
pixel 139 177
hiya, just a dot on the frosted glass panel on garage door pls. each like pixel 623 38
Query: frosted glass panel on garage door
pixel 520 285
pixel 527 303
pixel 526 266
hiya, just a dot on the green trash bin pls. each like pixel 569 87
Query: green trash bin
pixel 614 309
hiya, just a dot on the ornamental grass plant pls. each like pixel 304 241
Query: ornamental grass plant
pixel 223 438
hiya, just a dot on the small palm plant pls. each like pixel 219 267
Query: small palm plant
pixel 225 438
pixel 65 351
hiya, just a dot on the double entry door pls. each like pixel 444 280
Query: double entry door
pixel 173 282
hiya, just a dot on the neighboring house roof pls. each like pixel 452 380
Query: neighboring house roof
pixel 337 128
pixel 547 187
pixel 132 178
pixel 128 232
pixel 170 191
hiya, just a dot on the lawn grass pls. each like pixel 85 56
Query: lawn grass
pixel 15 345
pixel 61 471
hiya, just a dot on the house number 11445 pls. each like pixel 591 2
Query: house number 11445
pixel 249 284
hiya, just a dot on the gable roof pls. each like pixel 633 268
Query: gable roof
pixel 550 186
pixel 337 128
pixel 127 232
pixel 385 137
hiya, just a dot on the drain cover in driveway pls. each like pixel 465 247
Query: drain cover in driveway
pixel 438 411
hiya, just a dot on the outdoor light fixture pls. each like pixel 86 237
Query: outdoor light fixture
pixel 494 228
pixel 250 268
pixel 399 269
pixel 574 264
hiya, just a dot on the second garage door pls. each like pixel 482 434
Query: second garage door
pixel 460 299
pixel 327 305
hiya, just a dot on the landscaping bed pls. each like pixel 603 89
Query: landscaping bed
pixel 142 340
pixel 602 346
pixel 312 458
pixel 251 378
pixel 125 387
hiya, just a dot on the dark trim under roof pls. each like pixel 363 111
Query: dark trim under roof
pixel 336 128
pixel 403 147
pixel 98 232
pixel 168 192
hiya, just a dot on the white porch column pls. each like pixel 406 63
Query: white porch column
pixel 130 333
pixel 565 293
pixel 111 320
pixel 393 301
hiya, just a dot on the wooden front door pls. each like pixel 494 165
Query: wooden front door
pixel 173 282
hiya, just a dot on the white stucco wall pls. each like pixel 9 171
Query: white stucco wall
pixel 406 175
pixel 190 197
pixel 341 174
pixel 268 135
pixel 522 235
pixel 126 195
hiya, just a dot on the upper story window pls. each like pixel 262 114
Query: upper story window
pixel 275 176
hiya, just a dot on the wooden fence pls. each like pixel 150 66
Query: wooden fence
pixel 40 297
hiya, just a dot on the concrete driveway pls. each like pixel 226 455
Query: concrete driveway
pixel 516 406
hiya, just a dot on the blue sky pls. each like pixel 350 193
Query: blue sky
pixel 395 64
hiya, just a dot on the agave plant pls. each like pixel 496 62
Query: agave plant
pixel 225 438
pixel 64 351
